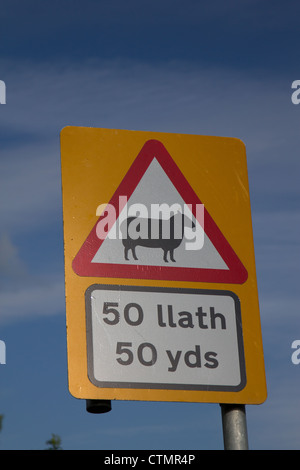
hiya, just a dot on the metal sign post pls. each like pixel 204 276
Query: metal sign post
pixel 234 427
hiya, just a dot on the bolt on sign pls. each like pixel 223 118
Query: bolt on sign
pixel 160 279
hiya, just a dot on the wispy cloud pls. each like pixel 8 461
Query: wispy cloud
pixel 167 97
pixel 275 424
pixel 30 187
pixel 10 263
pixel 173 96
pixel 28 301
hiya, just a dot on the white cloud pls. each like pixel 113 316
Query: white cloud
pixel 30 187
pixel 10 263
pixel 170 97
pixel 24 294
pixel 277 237
pixel 275 423
pixel 27 301
pixel 174 96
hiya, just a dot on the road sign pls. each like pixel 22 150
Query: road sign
pixel 106 255
pixel 161 291
pixel 156 338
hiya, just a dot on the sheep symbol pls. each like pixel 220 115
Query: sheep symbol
pixel 166 234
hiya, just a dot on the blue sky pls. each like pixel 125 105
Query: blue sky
pixel 211 68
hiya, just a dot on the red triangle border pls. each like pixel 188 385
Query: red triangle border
pixel 82 263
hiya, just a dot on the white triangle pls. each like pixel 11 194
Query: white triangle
pixel 156 188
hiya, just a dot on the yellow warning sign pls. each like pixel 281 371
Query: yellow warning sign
pixel 161 291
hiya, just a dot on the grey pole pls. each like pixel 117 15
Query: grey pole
pixel 235 433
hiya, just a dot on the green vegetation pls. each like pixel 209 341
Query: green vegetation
pixel 53 444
